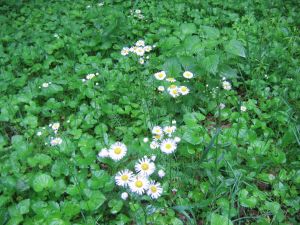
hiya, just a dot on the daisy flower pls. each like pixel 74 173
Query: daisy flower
pixel 184 90
pixel 141 61
pixel 123 178
pixel 125 51
pixel 161 173
pixel 140 43
pixel 45 85
pixel 124 195
pixel 55 126
pixel 145 167
pixel 173 121
pixel 169 130
pixel 139 184
pixel 171 79
pixel 39 133
pixel 174 92
pixel 90 76
pixel 222 105
pixel 147 48
pixel 117 151
pixel 168 146
pixel 154 145
pixel 158 137
pixel 153 157
pixel 160 75
pixel 139 51
pixel 243 108
pixel 103 153
pixel 226 85
pixel 154 190
pixel 157 130
pixel 145 140
pixel 55 141
pixel 188 75
pixel 161 88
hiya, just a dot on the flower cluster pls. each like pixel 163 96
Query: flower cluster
pixel 116 152
pixel 162 138
pixel 140 182
pixel 90 76
pixel 139 49
pixel 173 89
pixel 54 141
pixel 226 85
pixel 137 13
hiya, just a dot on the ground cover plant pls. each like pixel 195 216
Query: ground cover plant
pixel 149 112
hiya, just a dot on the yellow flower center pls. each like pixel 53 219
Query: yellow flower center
pixel 117 150
pixel 124 177
pixel 145 166
pixel 168 146
pixel 183 89
pixel 139 184
pixel 153 189
pixel 160 75
pixel 172 86
pixel 175 92
pixel 157 136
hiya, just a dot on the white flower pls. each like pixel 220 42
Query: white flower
pixel 184 90
pixel 139 184
pixel 145 140
pixel 56 35
pixel 147 48
pixel 157 130
pixel 55 126
pixel 139 51
pixel 124 195
pixel 171 79
pixel 45 85
pixel 145 167
pixel 153 157
pixel 103 153
pixel 154 145
pixel 140 16
pixel 56 141
pixel 188 75
pixel 83 80
pixel 137 11
pixel 101 4
pixel 117 151
pixel 124 177
pixel 88 6
pixel 169 130
pixel 140 43
pixel 168 146
pixel 161 88
pixel 222 105
pixel 154 190
pixel 160 75
pixel 173 121
pixel 174 92
pixel 243 108
pixel 161 173
pixel 90 76
pixel 141 61
pixel 226 85
pixel 157 137
pixel 125 51
pixel 177 139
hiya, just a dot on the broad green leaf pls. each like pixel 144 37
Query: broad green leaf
pixel 188 28
pixel 211 32
pixel 193 118
pixel 211 63
pixel 41 182
pixel 235 47
pixel 23 206
pixel 216 219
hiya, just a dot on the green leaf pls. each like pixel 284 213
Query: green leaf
pixel 41 182
pixel 216 219
pixel 188 28
pixel 235 47
pixel 23 206
pixel 211 63
pixel 191 119
pixel 115 205
pixel 249 202
pixel 172 66
pixel 192 136
pixel 211 32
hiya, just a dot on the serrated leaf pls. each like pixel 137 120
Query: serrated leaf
pixel 41 182
pixel 211 63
